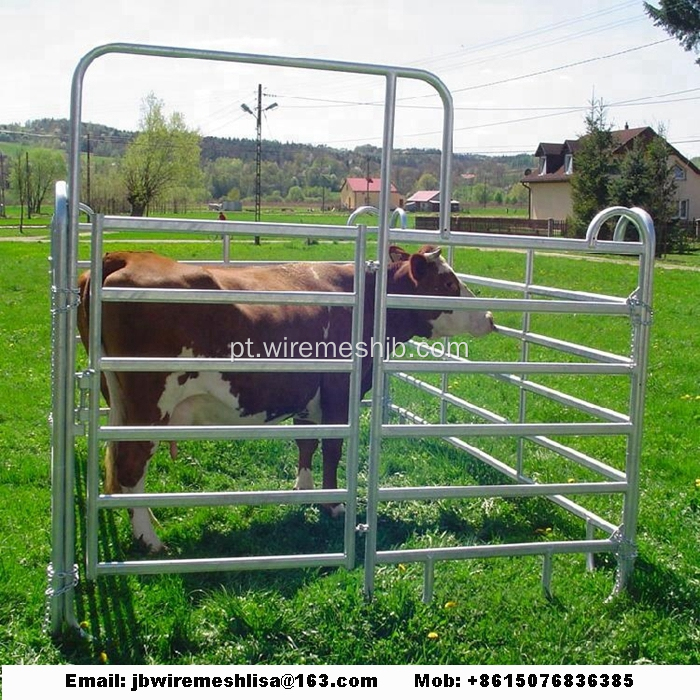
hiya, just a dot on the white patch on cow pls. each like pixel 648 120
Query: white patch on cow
pixel 142 520
pixel 475 323
pixel 205 399
pixel 312 412
pixel 305 480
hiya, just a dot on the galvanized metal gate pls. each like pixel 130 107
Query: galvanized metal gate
pixel 76 390
pixel 529 377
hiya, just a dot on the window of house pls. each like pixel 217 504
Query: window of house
pixel 678 173
pixel 543 165
pixel 683 209
pixel 568 163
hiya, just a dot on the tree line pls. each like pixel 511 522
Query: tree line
pixel 165 166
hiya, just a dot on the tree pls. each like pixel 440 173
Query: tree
pixel 427 182
pixel 662 205
pixel 642 177
pixel 46 166
pixel 295 194
pixel 165 154
pixel 20 177
pixel 590 182
pixel 681 19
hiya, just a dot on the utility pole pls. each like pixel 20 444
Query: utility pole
pixel 89 199
pixel 258 150
pixel 369 179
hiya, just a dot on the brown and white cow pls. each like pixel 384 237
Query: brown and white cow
pixel 208 330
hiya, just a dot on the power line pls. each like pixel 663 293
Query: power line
pixel 585 61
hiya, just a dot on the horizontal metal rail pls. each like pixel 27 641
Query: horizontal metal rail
pixel 505 429
pixel 151 433
pixel 215 227
pixel 222 498
pixel 218 564
pixel 415 493
pixel 226 365
pixel 489 367
pixel 398 556
pixel 225 296
pixel 410 301
pixel 518 243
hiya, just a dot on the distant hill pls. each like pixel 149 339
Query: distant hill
pixel 305 161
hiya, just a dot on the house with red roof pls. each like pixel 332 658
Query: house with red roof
pixel 550 182
pixel 360 191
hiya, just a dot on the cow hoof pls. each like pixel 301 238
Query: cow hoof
pixel 150 546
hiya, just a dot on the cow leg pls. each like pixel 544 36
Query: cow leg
pixel 127 463
pixel 332 450
pixel 307 447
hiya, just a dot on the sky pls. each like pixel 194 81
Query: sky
pixel 520 72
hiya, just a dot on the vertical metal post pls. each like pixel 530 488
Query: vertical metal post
pixel 524 356
pixel 428 580
pixel 547 564
pixel 641 315
pixel 446 163
pixel 94 378
pixel 355 398
pixel 59 230
pixel 377 418
pixel 590 534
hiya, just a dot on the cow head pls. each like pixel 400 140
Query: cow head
pixel 430 275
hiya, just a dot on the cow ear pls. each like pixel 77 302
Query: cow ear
pixel 418 266
pixel 432 253
pixel 398 254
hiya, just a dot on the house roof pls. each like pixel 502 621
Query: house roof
pixel 361 184
pixel 622 138
pixel 547 149
pixel 424 196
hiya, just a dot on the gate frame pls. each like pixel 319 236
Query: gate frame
pixel 637 307
pixel 67 415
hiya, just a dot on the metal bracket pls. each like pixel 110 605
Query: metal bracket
pixel 362 528
pixel 67 580
pixel 371 265
pixel 637 307
pixel 626 554
pixel 82 380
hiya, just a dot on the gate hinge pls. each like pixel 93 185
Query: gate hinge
pixel 81 417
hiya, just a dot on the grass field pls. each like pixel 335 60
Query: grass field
pixel 484 611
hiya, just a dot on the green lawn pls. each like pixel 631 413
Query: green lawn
pixel 484 611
